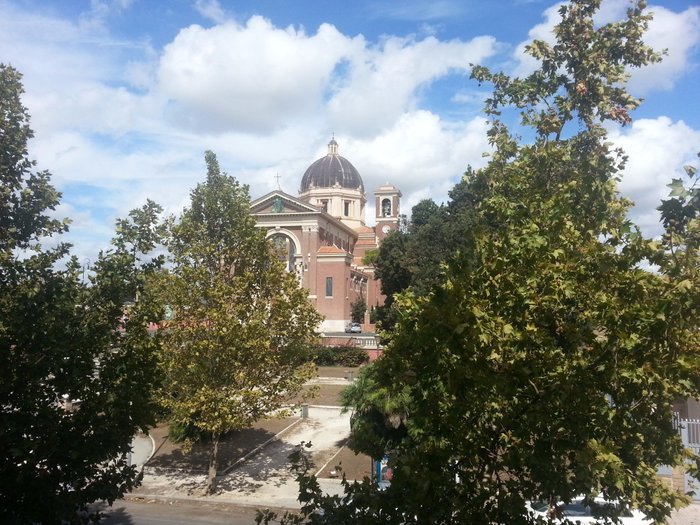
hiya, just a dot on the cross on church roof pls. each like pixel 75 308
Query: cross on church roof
pixel 278 177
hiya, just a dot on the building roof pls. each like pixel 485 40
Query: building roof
pixel 292 209
pixel 388 188
pixel 331 171
pixel 288 204
pixel 331 249
pixel 364 229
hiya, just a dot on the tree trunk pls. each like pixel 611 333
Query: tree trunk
pixel 213 464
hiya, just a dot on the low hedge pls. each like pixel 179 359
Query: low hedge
pixel 339 356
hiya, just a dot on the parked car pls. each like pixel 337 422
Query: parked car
pixel 354 328
pixel 578 512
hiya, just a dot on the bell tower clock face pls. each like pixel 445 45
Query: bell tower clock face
pixel 386 229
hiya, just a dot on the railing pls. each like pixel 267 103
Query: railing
pixel 368 341
pixel 689 430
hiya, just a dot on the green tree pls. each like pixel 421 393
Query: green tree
pixel 236 348
pixel 370 257
pixel 546 363
pixel 392 266
pixel 416 257
pixel 76 374
pixel 423 212
pixel 358 309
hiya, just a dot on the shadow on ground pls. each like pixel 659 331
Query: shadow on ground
pixel 170 455
pixel 271 467
pixel 231 448
pixel 115 515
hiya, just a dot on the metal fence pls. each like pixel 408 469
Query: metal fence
pixel 689 430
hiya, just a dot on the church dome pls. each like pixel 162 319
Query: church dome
pixel 330 170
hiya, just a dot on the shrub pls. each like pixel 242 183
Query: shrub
pixel 339 356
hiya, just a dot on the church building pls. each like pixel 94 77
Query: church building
pixel 323 237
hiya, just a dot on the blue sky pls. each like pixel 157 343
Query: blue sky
pixel 126 95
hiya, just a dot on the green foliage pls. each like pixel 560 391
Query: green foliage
pixel 76 374
pixel 545 361
pixel 339 356
pixel 423 212
pixel 379 413
pixel 142 232
pixel 25 196
pixel 679 216
pixel 416 257
pixel 184 433
pixel 370 257
pixel 236 346
pixel 373 314
pixel 391 267
pixel 358 309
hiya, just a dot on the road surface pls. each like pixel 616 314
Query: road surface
pixel 176 513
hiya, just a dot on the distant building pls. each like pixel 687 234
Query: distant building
pixel 323 236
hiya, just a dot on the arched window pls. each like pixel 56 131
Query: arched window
pixel 285 249
pixel 386 208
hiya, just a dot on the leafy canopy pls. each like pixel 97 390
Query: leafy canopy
pixel 545 363
pixel 76 374
pixel 235 348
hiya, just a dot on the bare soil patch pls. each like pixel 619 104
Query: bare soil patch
pixel 353 466
pixel 324 395
pixel 169 455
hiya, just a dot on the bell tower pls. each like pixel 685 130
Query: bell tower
pixel 387 210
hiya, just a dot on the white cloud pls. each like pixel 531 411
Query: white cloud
pixel 95 18
pixel 526 64
pixel 384 83
pixel 266 100
pixel 254 77
pixel 95 108
pixel 421 155
pixel 657 149
pixel 678 33
pixel 59 57
pixel 211 10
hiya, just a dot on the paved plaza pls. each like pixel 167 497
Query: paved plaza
pixel 262 478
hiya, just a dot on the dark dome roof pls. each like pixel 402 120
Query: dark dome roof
pixel 330 170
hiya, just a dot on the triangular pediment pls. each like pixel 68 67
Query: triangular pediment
pixel 280 202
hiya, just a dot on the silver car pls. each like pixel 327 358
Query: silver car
pixel 353 328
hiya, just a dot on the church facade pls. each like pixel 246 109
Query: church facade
pixel 322 235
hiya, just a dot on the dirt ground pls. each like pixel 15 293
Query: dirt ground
pixel 354 466
pixel 169 455
pixel 325 395
pixel 328 394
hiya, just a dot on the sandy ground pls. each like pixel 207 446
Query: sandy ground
pixel 264 478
